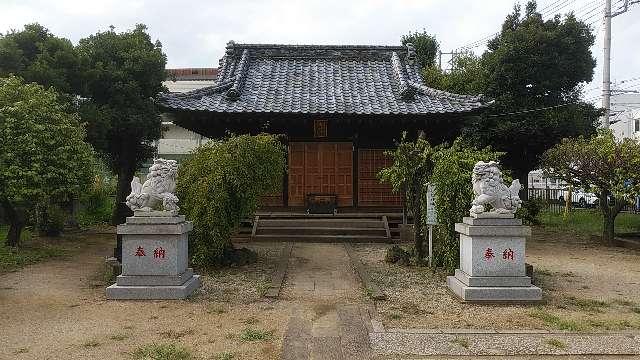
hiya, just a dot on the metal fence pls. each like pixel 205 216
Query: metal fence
pixel 555 200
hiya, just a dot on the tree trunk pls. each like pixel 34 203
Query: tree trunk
pixel 17 222
pixel 609 214
pixel 608 229
pixel 121 210
pixel 523 176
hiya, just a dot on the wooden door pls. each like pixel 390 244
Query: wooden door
pixel 322 168
pixel 371 192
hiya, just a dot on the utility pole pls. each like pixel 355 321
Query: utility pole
pixel 606 71
pixel 453 54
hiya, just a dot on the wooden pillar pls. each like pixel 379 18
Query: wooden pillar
pixel 354 169
pixel 285 180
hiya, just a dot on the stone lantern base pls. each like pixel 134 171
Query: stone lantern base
pixel 154 258
pixel 492 261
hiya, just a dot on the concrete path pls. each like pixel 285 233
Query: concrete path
pixel 331 315
pixel 321 272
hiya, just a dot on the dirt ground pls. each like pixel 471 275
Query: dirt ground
pixel 57 310
pixel 586 287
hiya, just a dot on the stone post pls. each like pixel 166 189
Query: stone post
pixel 154 258
pixel 492 261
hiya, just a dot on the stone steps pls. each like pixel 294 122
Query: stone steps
pixel 320 230
pixel 322 238
pixel 325 229
pixel 315 222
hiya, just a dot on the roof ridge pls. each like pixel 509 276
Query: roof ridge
pixel 407 90
pixel 318 46
pixel 424 89
pixel 241 73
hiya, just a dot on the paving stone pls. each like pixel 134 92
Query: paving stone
pixel 326 348
pixel 353 339
pixel 295 345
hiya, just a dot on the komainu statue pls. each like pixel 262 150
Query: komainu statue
pixel 157 192
pixel 491 192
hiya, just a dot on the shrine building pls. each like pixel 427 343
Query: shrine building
pixel 339 108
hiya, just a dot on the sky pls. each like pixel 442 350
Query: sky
pixel 194 33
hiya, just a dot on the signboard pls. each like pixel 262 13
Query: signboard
pixel 432 216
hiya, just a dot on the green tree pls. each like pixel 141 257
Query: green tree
pixel 532 64
pixel 122 73
pixel 412 166
pixel 220 184
pixel 38 56
pixel 465 76
pixel 426 47
pixel 43 156
pixel 600 164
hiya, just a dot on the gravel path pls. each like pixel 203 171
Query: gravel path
pixel 401 343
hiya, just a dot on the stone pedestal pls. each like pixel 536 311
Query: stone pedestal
pixel 492 261
pixel 154 258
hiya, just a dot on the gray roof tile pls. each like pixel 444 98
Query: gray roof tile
pixel 318 79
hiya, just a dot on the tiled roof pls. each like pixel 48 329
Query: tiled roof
pixel 320 79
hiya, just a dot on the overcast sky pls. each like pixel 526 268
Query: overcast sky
pixel 194 33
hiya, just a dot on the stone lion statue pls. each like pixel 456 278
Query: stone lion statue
pixel 157 192
pixel 491 192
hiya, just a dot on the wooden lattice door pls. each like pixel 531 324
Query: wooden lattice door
pixel 320 168
pixel 370 191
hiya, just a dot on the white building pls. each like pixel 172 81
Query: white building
pixel 537 180
pixel 176 141
pixel 625 115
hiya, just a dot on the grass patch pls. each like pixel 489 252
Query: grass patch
pixel 224 356
pixel 461 342
pixel 623 302
pixel 175 334
pixel 588 222
pixel 394 316
pixel 21 351
pixel 91 343
pixel 636 309
pixel 119 337
pixel 162 352
pixel 611 324
pixel 26 254
pixel 589 305
pixel 216 309
pixel 558 344
pixel 543 271
pixel 555 321
pixel 262 287
pixel 249 334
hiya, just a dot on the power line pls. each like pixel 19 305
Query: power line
pixel 551 9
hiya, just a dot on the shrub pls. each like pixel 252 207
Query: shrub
pixel 530 210
pixel 54 218
pixel 449 169
pixel 396 254
pixel 97 203
pixel 454 193
pixel 220 184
